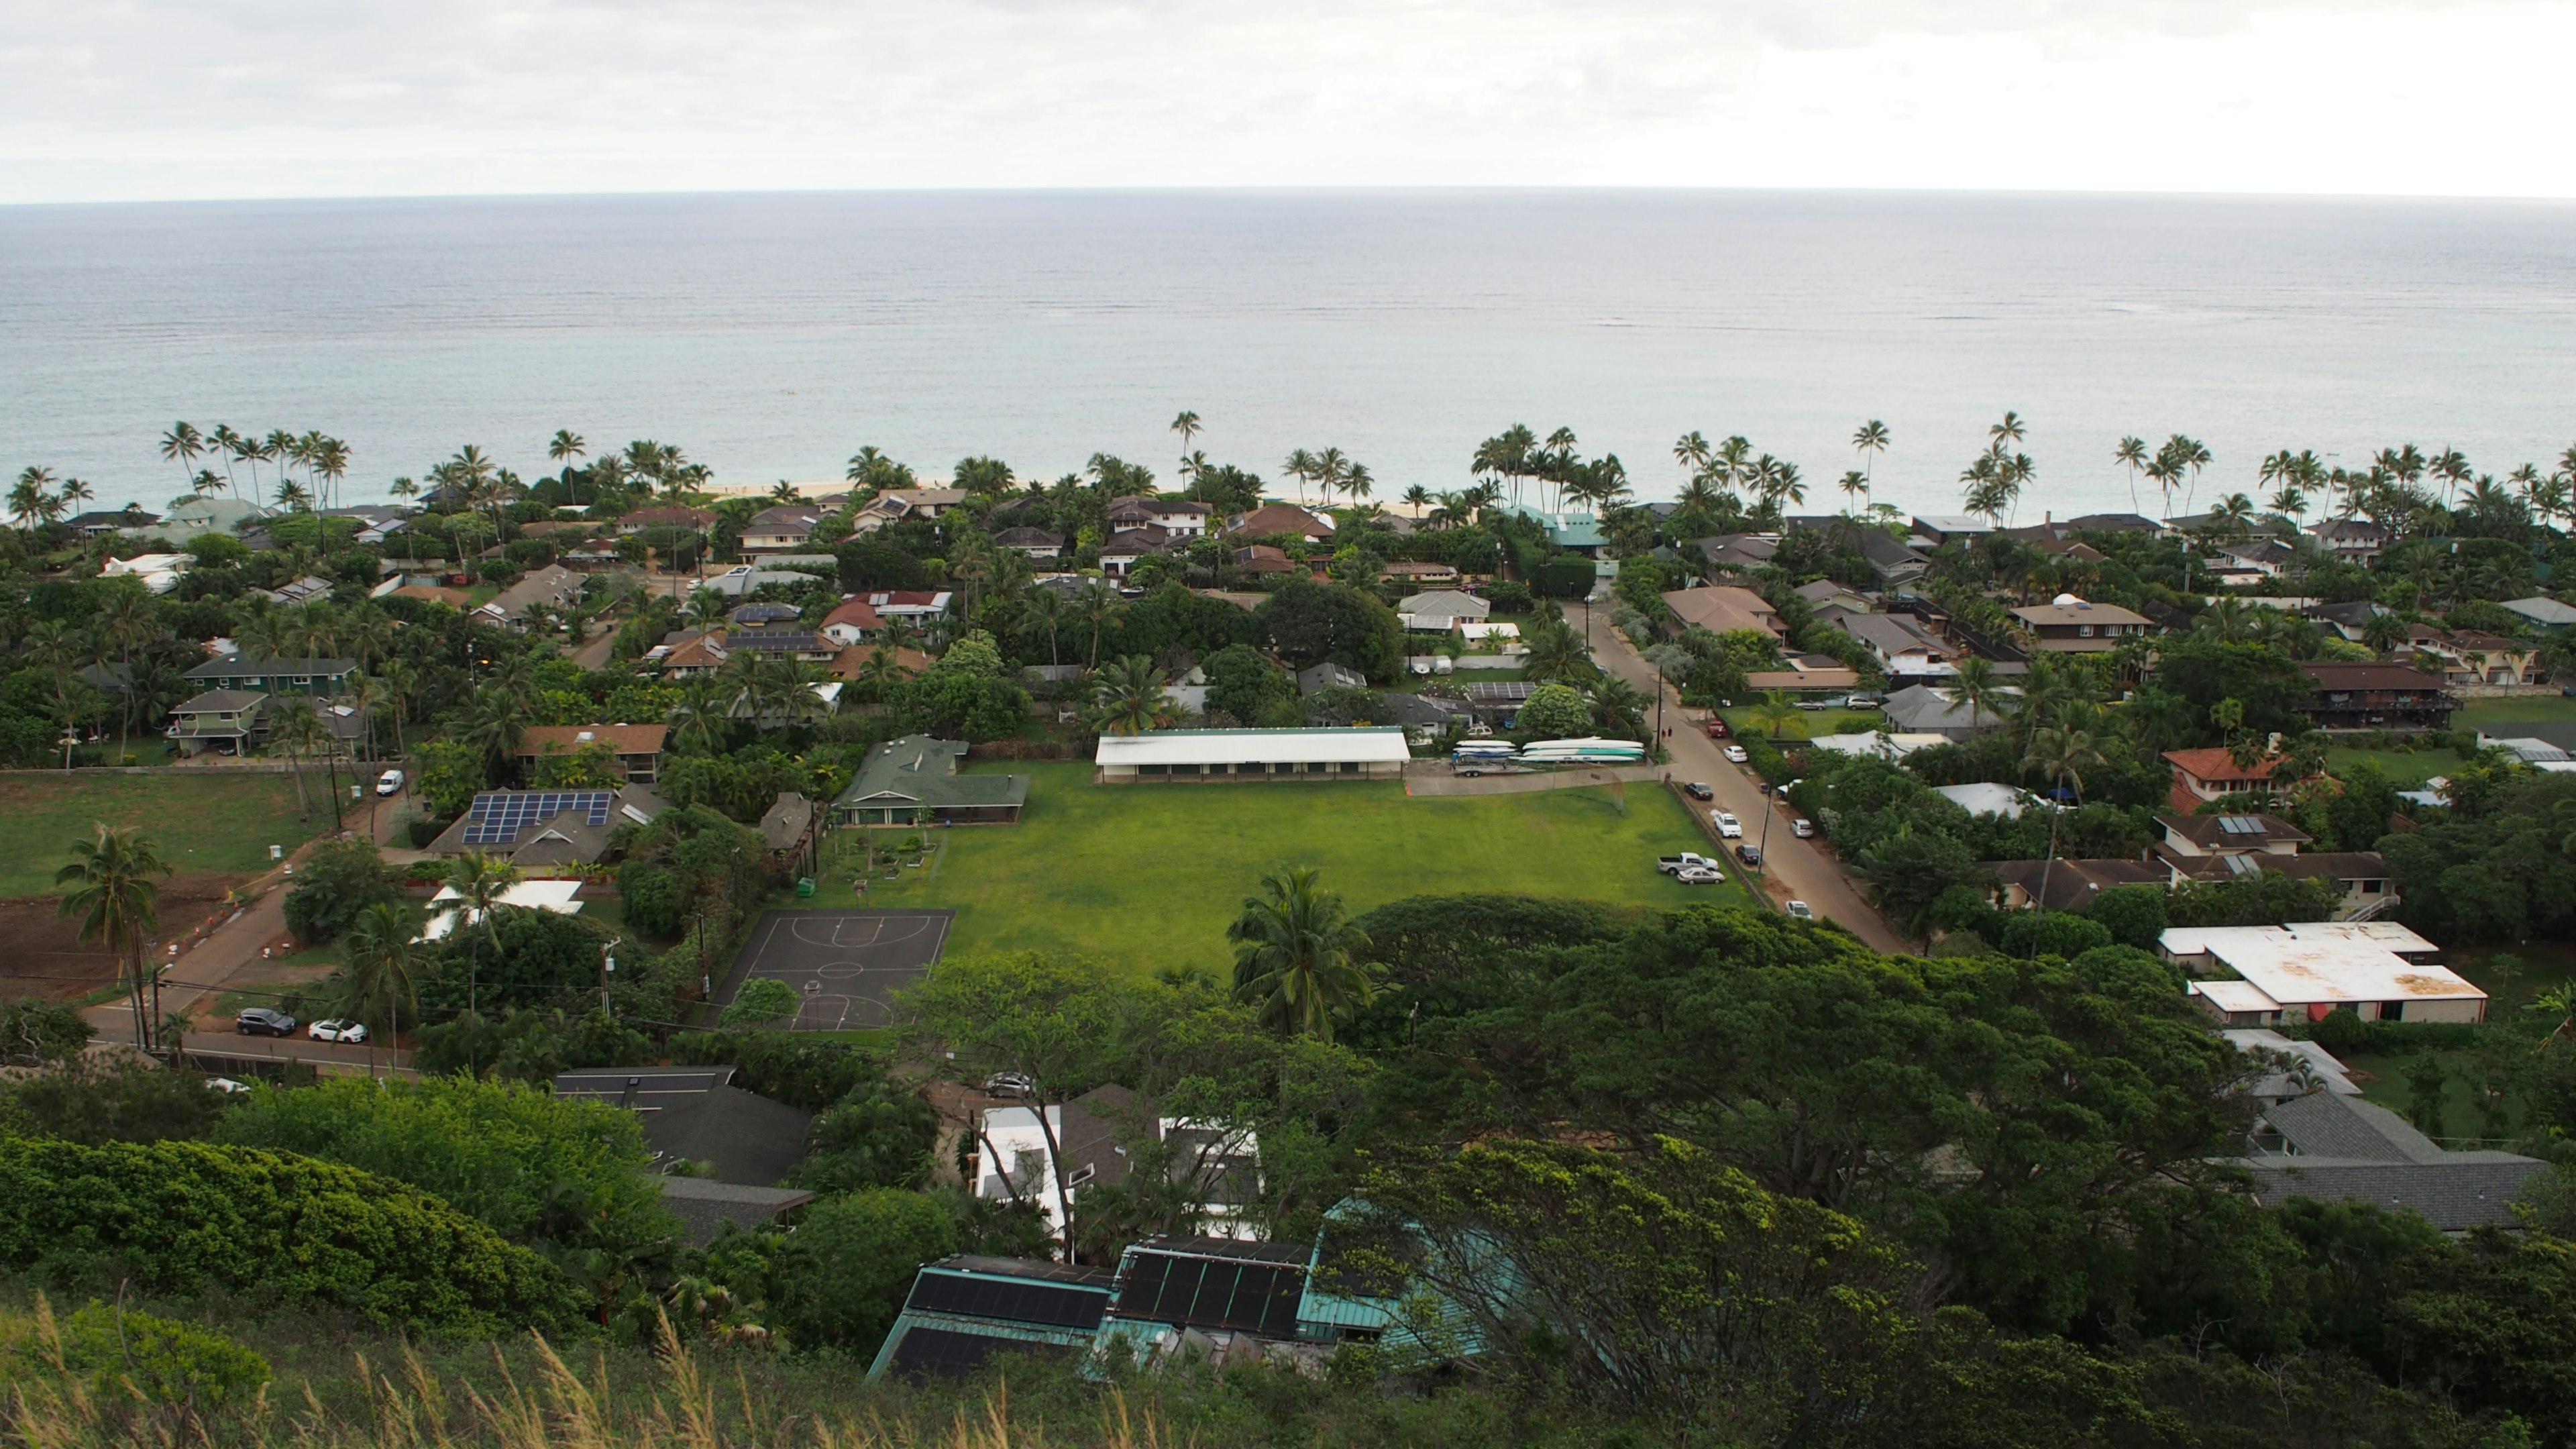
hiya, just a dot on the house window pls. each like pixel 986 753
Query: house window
pixel 2083 631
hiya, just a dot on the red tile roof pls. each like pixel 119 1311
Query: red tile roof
pixel 567 739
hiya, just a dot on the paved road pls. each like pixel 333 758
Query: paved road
pixel 1794 868
pixel 329 1058
pixel 228 949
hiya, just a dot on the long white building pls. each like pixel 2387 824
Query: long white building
pixel 1369 753
pixel 2380 969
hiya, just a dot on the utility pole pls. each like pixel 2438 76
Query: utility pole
pixel 607 966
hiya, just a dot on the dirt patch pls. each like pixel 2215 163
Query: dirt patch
pixel 46 959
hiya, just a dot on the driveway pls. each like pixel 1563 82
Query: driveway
pixel 1793 868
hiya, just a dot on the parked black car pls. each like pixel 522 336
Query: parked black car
pixel 260 1021
pixel 1749 854
pixel 1699 790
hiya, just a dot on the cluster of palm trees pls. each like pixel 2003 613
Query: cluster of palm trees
pixel 2177 460
pixel 1328 471
pixel 1515 456
pixel 35 503
pixel 1721 473
pixel 324 459
pixel 1992 485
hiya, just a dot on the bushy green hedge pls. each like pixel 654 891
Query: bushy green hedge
pixel 182 1217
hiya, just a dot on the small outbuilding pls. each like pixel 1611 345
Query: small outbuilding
pixel 1367 753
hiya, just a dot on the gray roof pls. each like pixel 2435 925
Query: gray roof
pixel 2541 609
pixel 789 816
pixel 235 666
pixel 2343 1149
pixel 1922 709
pixel 1893 634
pixel 704 1205
pixel 1328 675
pixel 698 1114
pixel 1445 604
pixel 920 770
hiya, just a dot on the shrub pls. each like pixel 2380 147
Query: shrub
pixel 844 1272
pixel 337 881
pixel 165 1361
pixel 182 1217
pixel 762 1001
pixel 2134 915
pixel 33 1031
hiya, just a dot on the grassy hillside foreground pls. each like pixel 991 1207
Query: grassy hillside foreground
pixel 1149 875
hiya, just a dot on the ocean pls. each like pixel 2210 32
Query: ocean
pixel 771 335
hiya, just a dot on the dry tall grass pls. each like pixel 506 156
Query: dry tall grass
pixel 411 1408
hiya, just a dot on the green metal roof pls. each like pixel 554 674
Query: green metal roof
pixel 919 770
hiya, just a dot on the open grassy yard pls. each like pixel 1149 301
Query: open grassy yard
pixel 2405 769
pixel 2486 714
pixel 1149 875
pixel 203 820
pixel 1739 720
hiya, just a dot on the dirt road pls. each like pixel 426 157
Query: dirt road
pixel 1795 866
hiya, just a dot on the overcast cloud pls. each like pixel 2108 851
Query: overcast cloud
pixel 114 99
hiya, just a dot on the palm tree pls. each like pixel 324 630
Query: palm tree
pixel 479 881
pixel 2006 434
pixel 1855 485
pixel 226 446
pixel 1870 441
pixel 183 445
pixel 494 724
pixel 1300 465
pixel 1691 450
pixel 117 903
pixel 126 623
pixel 2062 754
pixel 1293 954
pixel 1187 425
pixel 1976 685
pixel 1041 615
pixel 384 966
pixel 2131 454
pixel 1619 708
pixel 1357 482
pixel 700 721
pixel 1555 652
pixel 566 448
pixel 1777 715
pixel 299 731
pixel 1099 606
pixel 367 695
pixel 1128 698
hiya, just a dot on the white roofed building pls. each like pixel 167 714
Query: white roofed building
pixel 2380 969
pixel 1366 753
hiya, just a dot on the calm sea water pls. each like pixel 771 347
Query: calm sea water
pixel 771 335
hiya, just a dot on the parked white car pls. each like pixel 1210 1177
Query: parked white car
pixel 335 1029
pixel 1798 911
pixel 1735 755
pixel 389 783
pixel 1803 829
pixel 1727 825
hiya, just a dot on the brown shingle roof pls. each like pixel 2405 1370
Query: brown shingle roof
pixel 625 739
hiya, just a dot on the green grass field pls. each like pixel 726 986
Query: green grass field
pixel 202 820
pixel 1739 720
pixel 1149 875
pixel 2405 769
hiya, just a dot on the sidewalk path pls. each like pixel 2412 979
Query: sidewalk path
pixel 1797 866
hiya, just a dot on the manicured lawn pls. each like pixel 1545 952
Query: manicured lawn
pixel 1148 875
pixel 203 821
pixel 2405 769
pixel 2486 714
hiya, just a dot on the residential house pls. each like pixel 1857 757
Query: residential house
pixel 2251 562
pixel 2203 775
pixel 1720 608
pixel 552 587
pixel 2348 622
pixel 966 1308
pixel 2070 885
pixel 2070 625
pixel 1120 553
pixel 1929 709
pixel 919 606
pixel 2474 656
pixel 1826 594
pixel 763 616
pixel 536 829
pixel 2221 847
pixel 793 569
pixel 100 523
pixel 787 833
pixel 159 573
pixel 2349 540
pixel 2543 611
pixel 636 748
pixel 219 721
pixel 1737 553
pixel 924 503
pixel 1420 574
pixel 192 518
pixel 914 781
pixel 1905 650
pixel 1888 747
pixel 706 1207
pixel 2112 523
pixel 1096 1139
pixel 1573 532
pixel 1807 673
pixel 1986 797
pixel 1036 543
pixel 1891 562
pixel 1263 558
pixel 1179 517
pixel 687 654
pixel 695 520
pixel 274 676
pixel 1275 520
pixel 786 528
pixel 803 646
pixel 1329 675
pixel 853 621
pixel 697 1115
pixel 448 912
pixel 1933 531
pixel 2337 1147
pixel 2071 550
pixel 1440 610
pixel 2379 970
pixel 2376 697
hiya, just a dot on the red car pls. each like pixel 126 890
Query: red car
pixel 1716 728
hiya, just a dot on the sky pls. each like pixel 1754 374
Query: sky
pixel 172 99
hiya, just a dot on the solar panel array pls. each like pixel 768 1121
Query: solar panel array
pixel 946 1351
pixel 2240 825
pixel 1494 692
pixel 1019 1300
pixel 497 816
pixel 1213 1293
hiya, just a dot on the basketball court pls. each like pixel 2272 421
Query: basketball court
pixel 844 965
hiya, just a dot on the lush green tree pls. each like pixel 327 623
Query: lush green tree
pixel 34 1032
pixel 762 1001
pixel 114 1099
pixel 1244 683
pixel 532 1166
pixel 2134 915
pixel 1553 712
pixel 449 775
pixel 267 1227
pixel 337 880
pixel 1309 623
pixel 848 1265
pixel 879 1134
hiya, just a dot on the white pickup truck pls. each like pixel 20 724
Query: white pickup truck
pixel 1676 864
